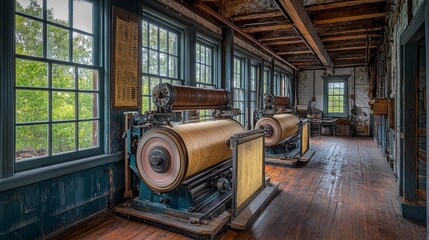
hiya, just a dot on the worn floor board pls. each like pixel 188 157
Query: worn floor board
pixel 347 191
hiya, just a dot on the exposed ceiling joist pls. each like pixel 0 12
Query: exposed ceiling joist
pixel 255 29
pixel 296 12
pixel 208 10
pixel 349 48
pixel 254 16
pixel 295 52
pixel 284 42
pixel 279 38
pixel 349 18
pixel 350 65
pixel 332 5
pixel 325 39
pixel 350 37
pixel 349 58
pixel 361 30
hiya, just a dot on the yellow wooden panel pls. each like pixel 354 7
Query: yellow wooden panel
pixel 304 138
pixel 250 157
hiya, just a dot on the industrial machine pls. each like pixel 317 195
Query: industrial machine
pixel 287 139
pixel 186 172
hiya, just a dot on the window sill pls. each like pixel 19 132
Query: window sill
pixel 44 173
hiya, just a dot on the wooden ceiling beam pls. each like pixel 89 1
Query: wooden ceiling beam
pixel 255 16
pixel 325 39
pixel 277 27
pixel 361 30
pixel 266 39
pixel 296 12
pixel 208 10
pixel 350 37
pixel 325 6
pixel 349 48
pixel 348 58
pixel 284 42
pixel 349 18
pixel 295 52
pixel 350 65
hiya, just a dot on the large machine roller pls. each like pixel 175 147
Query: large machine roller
pixel 278 128
pixel 181 98
pixel 168 155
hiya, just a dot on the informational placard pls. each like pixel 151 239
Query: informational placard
pixel 126 59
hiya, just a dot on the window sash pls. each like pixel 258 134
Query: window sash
pixel 78 151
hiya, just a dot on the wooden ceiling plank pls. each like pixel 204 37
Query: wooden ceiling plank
pixel 255 29
pixel 332 5
pixel 349 48
pixel 208 10
pixel 296 11
pixel 267 39
pixel 284 42
pixel 254 16
pixel 361 30
pixel 349 18
pixel 350 37
pixel 295 52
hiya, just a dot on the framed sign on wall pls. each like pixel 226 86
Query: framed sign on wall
pixel 126 59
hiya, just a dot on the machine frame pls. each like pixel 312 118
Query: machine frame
pixel 283 154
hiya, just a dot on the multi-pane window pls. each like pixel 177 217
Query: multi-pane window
pixel 239 89
pixel 160 64
pixel 277 84
pixel 253 82
pixel 336 97
pixel 204 71
pixel 285 85
pixel 57 81
pixel 265 80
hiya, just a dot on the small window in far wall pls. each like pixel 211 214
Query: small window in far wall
pixel 336 102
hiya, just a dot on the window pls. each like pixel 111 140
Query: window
pixel 57 81
pixel 277 84
pixel 266 79
pixel 285 85
pixel 204 71
pixel 336 97
pixel 160 57
pixel 239 89
pixel 253 82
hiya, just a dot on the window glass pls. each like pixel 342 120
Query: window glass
pixel 204 72
pixel 57 88
pixel 336 98
pixel 159 59
pixel 239 90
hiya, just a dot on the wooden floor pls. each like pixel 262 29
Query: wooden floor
pixel 347 191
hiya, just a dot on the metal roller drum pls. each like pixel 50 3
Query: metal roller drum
pixel 277 128
pixel 168 155
pixel 282 101
pixel 188 98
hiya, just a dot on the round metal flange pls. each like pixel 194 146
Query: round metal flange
pixel 159 159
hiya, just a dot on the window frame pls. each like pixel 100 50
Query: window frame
pixel 97 64
pixel 242 87
pixel 202 42
pixel 170 27
pixel 336 79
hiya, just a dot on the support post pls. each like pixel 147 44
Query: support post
pixel 7 96
pixel 410 124
pixel 228 60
